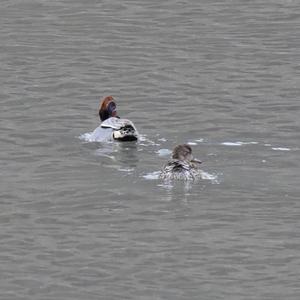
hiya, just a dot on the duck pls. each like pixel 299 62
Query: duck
pixel 113 127
pixel 182 165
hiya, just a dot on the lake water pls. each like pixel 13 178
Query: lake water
pixel 84 220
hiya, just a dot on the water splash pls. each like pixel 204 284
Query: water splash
pixel 144 141
pixel 163 152
pixel 126 170
pixel 152 176
pixel 87 137
pixel 213 178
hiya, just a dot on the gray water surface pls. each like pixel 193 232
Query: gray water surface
pixel 82 220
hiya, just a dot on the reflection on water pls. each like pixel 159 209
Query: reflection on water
pixel 123 155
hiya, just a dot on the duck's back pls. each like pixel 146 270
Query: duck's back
pixel 116 123
pixel 101 134
pixel 178 169
pixel 115 129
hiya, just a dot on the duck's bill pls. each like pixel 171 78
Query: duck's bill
pixel 195 160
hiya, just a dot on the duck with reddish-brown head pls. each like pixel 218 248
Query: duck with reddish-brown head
pixel 182 166
pixel 113 127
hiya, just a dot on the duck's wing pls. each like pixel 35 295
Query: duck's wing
pixel 123 129
pixel 178 169
pixel 117 123
pixel 178 165
pixel 174 165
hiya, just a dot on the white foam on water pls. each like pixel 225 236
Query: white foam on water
pixel 143 138
pixel 213 178
pixel 87 137
pixel 199 140
pixel 238 143
pixel 152 176
pixel 278 148
pixel 250 143
pixel 144 141
pixel 163 152
pixel 127 170
pixel 232 143
pixel 192 143
pixel 281 149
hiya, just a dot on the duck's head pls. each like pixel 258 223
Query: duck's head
pixel 108 108
pixel 184 152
